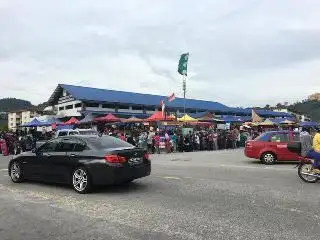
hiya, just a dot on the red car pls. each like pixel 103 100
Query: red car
pixel 271 147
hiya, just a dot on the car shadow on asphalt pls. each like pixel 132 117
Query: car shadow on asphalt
pixel 257 162
pixel 135 186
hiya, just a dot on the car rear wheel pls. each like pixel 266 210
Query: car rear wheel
pixel 81 180
pixel 16 172
pixel 268 158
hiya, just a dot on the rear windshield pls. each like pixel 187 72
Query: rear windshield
pixel 264 137
pixel 106 142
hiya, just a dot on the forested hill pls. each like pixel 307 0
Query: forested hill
pixel 309 107
pixel 12 104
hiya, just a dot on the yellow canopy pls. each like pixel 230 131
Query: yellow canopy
pixel 266 122
pixel 187 118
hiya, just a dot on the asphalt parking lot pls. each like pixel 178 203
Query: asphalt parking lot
pixel 204 195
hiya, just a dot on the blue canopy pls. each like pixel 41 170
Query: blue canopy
pixel 308 124
pixel 34 123
pixel 51 121
pixel 230 119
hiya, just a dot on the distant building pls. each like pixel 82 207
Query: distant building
pixel 315 97
pixel 69 100
pixel 299 117
pixel 16 118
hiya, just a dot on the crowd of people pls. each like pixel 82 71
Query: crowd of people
pixel 175 140
pixel 155 141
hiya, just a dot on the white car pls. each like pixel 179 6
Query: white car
pixel 67 132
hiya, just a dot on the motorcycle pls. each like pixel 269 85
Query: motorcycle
pixel 305 165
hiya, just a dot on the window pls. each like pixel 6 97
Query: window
pixel 69 107
pixel 61 108
pixel 78 105
pixel 66 145
pixel 79 147
pixel 49 146
pixel 123 107
pixel 280 137
pixel 73 133
pixel 108 105
pixel 106 142
pixel 88 104
pixel 64 133
pixel 137 108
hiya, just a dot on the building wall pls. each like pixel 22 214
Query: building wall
pixel 14 120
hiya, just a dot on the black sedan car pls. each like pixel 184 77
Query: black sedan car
pixel 82 161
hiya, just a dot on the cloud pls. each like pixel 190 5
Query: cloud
pixel 240 53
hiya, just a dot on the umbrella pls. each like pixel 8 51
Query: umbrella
pixel 108 118
pixel 71 121
pixel 132 119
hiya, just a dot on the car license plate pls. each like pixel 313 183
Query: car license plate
pixel 136 160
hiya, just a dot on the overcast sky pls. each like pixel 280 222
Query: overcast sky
pixel 242 52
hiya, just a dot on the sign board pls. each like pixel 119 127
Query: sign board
pixel 221 126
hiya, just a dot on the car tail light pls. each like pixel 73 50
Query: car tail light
pixel 113 158
pixel 146 156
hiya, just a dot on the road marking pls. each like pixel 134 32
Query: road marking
pixel 176 178
pixel 4 169
pixel 261 168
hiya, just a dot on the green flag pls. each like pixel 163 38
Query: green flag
pixel 183 64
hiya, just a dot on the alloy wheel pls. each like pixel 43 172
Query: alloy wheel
pixel 15 172
pixel 80 180
pixel 268 158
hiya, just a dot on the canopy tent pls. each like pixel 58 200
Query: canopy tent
pixel 230 119
pixel 309 124
pixel 287 122
pixel 34 123
pixel 108 118
pixel 132 119
pixel 87 119
pixel 157 116
pixel 51 121
pixel 187 118
pixel 201 123
pixel 280 120
pixel 71 121
pixel 266 122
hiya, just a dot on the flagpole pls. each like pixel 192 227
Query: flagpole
pixel 184 88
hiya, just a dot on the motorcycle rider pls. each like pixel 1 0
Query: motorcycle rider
pixel 314 153
pixel 306 141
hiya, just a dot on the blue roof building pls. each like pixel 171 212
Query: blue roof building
pixel 73 100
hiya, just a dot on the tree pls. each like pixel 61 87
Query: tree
pixel 267 107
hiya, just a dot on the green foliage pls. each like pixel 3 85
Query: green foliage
pixel 311 108
pixel 12 104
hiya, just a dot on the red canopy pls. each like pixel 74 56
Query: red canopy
pixel 157 116
pixel 71 121
pixel 108 118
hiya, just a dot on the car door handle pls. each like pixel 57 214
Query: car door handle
pixel 73 155
pixel 47 155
